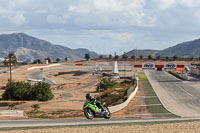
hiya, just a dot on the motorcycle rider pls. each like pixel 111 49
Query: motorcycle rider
pixel 93 100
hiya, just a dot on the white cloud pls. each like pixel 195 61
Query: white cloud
pixel 54 19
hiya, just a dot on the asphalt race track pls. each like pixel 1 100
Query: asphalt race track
pixel 77 122
pixel 176 96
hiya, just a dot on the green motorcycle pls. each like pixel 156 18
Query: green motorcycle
pixel 92 111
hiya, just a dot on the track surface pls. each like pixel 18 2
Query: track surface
pixel 78 122
pixel 177 96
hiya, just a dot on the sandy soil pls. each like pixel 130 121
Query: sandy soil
pixel 187 127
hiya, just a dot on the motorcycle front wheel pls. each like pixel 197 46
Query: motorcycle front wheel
pixel 107 114
pixel 88 113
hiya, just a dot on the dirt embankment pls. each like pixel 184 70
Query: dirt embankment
pixel 187 127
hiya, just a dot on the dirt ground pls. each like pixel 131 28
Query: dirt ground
pixel 186 127
pixel 71 89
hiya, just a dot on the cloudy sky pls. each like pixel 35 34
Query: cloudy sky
pixel 104 26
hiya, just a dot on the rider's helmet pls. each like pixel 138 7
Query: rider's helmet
pixel 88 96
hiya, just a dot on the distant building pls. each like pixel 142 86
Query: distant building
pixel 195 69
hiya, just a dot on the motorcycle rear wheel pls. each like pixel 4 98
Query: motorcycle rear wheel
pixel 88 113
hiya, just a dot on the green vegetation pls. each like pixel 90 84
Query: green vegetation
pixel 141 76
pixel 66 58
pixel 158 57
pixel 175 57
pixel 117 93
pixel 167 58
pixel 110 57
pixel 105 84
pixel 101 57
pixel 125 56
pixel 87 56
pixel 35 107
pixel 10 61
pixel 32 112
pixel 37 61
pixel 25 91
pixel 57 59
pixel 133 57
pixel 49 60
pixel 141 57
pixel 150 57
pixel 11 106
pixel 116 57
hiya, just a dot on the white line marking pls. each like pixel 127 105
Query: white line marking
pixel 148 105
pixel 154 114
pixel 146 96
pixel 185 91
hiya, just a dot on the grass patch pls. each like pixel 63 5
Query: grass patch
pixel 141 76
pixel 42 117
pixel 58 112
pixel 35 112
pixel 154 110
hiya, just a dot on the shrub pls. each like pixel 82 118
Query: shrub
pixel 25 91
pixel 105 84
pixel 11 106
pixel 35 107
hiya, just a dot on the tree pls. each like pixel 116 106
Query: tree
pixel 141 57
pixel 37 61
pixel 66 58
pixel 12 60
pixel 49 60
pixel 87 56
pixel 133 57
pixel 125 56
pixel 192 58
pixel 116 57
pixel 25 91
pixel 5 62
pixel 167 58
pixel 158 57
pixel 58 60
pixel 110 57
pixel 101 57
pixel 175 57
pixel 150 57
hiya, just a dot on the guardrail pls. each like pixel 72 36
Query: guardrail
pixel 124 104
pixel 38 67
pixel 12 113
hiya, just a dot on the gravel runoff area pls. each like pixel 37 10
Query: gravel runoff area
pixel 183 127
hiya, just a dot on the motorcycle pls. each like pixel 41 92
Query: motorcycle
pixel 92 111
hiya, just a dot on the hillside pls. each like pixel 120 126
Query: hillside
pixel 28 48
pixel 185 49
pixel 145 52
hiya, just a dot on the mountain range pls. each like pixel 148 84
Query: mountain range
pixel 185 49
pixel 145 52
pixel 28 48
